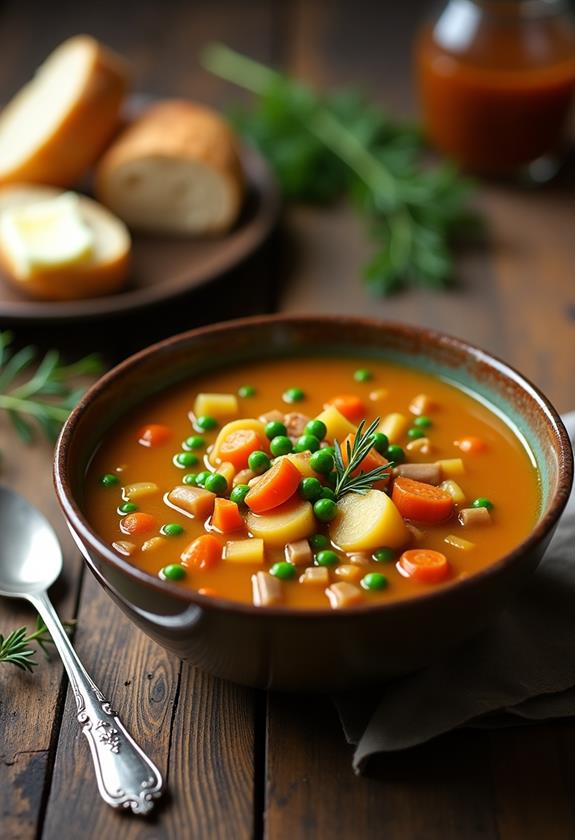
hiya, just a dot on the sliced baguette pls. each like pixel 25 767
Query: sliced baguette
pixel 59 123
pixel 175 170
pixel 104 273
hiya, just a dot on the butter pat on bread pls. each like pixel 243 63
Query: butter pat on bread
pixel 60 246
pixel 175 170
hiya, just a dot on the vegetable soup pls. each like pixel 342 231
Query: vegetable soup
pixel 312 482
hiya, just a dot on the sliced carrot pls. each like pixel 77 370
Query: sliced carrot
pixel 423 565
pixel 349 405
pixel 372 461
pixel 471 444
pixel 275 486
pixel 226 516
pixel 420 501
pixel 154 435
pixel 138 523
pixel 239 445
pixel 203 553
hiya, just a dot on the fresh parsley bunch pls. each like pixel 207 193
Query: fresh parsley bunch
pixel 323 147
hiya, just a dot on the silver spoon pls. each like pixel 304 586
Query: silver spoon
pixel 30 562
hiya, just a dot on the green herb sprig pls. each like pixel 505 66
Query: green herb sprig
pixel 323 147
pixel 356 452
pixel 15 647
pixel 47 395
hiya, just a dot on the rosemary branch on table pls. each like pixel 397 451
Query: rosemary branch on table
pixel 326 146
pixel 15 647
pixel 41 391
pixel 360 483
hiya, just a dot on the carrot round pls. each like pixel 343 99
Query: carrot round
pixel 420 501
pixel 226 516
pixel 203 553
pixel 239 445
pixel 349 405
pixel 471 444
pixel 275 487
pixel 138 523
pixel 154 435
pixel 372 461
pixel 423 565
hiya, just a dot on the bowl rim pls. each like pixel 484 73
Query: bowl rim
pixel 80 526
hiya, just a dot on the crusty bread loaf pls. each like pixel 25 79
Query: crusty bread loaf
pixel 59 123
pixel 104 273
pixel 175 170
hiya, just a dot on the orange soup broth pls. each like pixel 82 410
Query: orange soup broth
pixel 504 473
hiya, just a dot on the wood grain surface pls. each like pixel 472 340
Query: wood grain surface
pixel 239 763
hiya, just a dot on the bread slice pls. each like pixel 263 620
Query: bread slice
pixel 175 170
pixel 56 126
pixel 105 270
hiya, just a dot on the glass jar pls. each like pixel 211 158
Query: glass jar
pixel 496 79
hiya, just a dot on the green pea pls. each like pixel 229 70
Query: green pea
pixel 321 462
pixel 216 483
pixel 395 453
pixel 259 462
pixel 274 428
pixel 280 445
pixel 171 529
pixel 293 395
pixel 326 558
pixel 380 443
pixel 414 433
pixel 374 581
pixel 247 391
pixel 206 423
pixel 173 572
pixel 109 480
pixel 422 422
pixel 283 570
pixel 195 442
pixel 190 478
pixel 362 375
pixel 310 489
pixel 307 443
pixel 128 507
pixel 384 555
pixel 239 493
pixel 318 541
pixel 317 428
pixel 327 493
pixel 185 459
pixel 482 502
pixel 325 509
pixel 201 477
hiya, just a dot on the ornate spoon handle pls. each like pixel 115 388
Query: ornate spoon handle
pixel 126 777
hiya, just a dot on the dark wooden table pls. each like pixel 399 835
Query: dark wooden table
pixel 240 763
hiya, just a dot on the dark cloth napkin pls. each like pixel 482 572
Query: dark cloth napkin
pixel 521 669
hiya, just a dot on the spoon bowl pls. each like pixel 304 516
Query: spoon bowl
pixel 30 554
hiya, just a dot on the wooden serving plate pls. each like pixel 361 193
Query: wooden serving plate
pixel 163 266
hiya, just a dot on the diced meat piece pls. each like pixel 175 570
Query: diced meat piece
pixel 124 547
pixel 349 572
pixel 298 553
pixel 343 594
pixel 295 423
pixel 422 446
pixel 360 558
pixel 270 416
pixel 427 473
pixel 194 501
pixel 422 404
pixel 266 590
pixel 474 516
pixel 315 576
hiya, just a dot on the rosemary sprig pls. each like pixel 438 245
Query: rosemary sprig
pixel 324 146
pixel 363 481
pixel 47 396
pixel 14 648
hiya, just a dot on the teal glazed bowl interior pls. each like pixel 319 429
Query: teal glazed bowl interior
pixel 311 650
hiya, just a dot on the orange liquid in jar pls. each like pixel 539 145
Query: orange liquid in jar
pixel 496 98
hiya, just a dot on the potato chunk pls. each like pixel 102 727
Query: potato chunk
pixel 366 522
pixel 219 406
pixel 245 551
pixel 139 489
pixel 287 523
pixel 192 500
pixel 338 426
pixel 394 426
